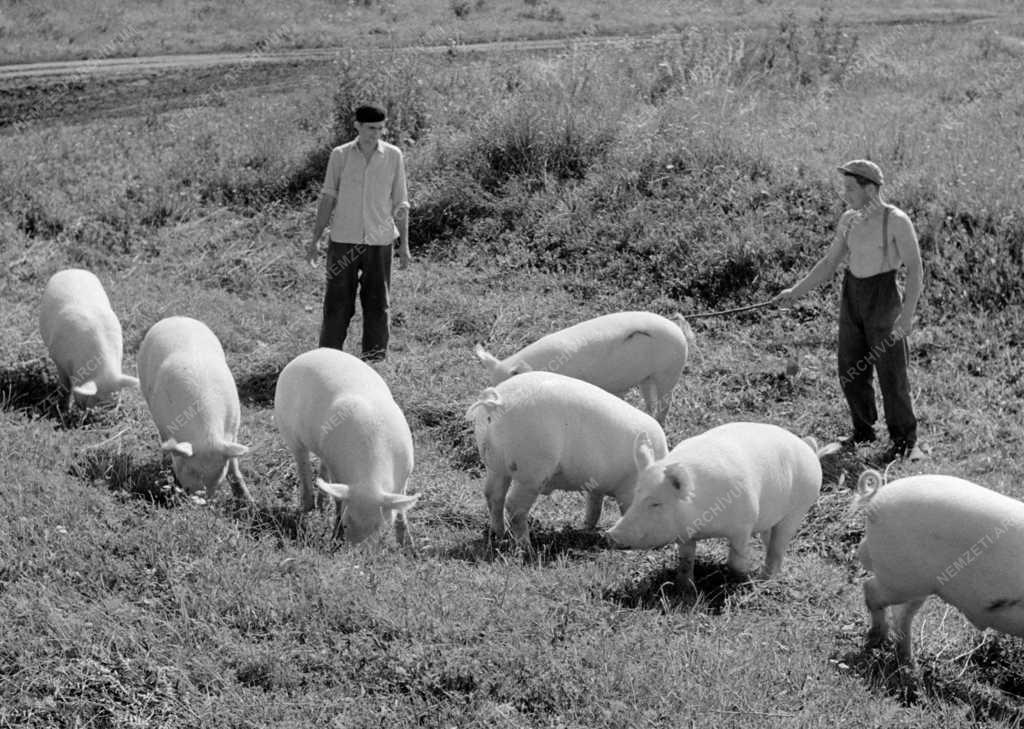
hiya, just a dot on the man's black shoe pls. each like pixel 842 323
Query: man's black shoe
pixel 903 451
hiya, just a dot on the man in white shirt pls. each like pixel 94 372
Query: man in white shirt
pixel 874 320
pixel 365 202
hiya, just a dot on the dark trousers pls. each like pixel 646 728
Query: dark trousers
pixel 352 266
pixel 867 312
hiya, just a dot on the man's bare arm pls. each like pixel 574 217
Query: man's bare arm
pixel 823 270
pixel 910 252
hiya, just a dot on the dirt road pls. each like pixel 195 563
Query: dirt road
pixel 38 94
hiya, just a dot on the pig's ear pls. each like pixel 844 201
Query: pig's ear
pixel 182 448
pixel 679 481
pixel 339 491
pixel 643 451
pixel 234 450
pixel 86 389
pixel 399 502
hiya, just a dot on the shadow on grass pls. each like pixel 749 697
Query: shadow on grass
pixel 32 387
pixel 257 388
pixel 547 546
pixel 447 424
pixel 282 522
pixel 760 386
pixel 987 680
pixel 148 480
pixel 658 590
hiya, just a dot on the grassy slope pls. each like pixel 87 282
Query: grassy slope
pixel 122 608
pixel 69 30
pixel 123 605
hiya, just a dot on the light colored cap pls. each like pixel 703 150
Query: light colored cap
pixel 863 168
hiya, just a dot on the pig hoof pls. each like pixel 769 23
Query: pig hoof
pixel 496 541
pixel 875 639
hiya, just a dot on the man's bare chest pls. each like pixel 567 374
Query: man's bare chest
pixel 866 235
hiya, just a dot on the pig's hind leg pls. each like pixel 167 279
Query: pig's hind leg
pixel 781 535
pixel 904 646
pixel 649 390
pixel 664 383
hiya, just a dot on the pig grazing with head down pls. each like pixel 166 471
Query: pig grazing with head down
pixel 83 335
pixel 732 481
pixel 335 405
pixel 940 535
pixel 616 352
pixel 192 397
pixel 541 431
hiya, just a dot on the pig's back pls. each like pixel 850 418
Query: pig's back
pixel 754 466
pixel 608 351
pixel 549 417
pixel 326 388
pixel 183 369
pixel 75 303
pixel 549 399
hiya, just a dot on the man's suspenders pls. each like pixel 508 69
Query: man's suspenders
pixel 885 235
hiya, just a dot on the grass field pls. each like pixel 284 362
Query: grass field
pixel 70 30
pixel 683 175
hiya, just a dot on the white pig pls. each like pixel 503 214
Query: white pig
pixel 193 399
pixel 940 535
pixel 335 405
pixel 83 335
pixel 732 481
pixel 545 431
pixel 616 352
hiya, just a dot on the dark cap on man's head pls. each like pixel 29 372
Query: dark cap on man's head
pixel 866 170
pixel 369 113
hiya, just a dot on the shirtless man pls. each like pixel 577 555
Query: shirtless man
pixel 874 319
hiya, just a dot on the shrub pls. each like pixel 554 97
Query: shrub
pixel 395 80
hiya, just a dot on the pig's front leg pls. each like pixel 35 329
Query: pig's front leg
pixel 595 502
pixel 684 570
pixel 739 552
pixel 495 489
pixel 518 503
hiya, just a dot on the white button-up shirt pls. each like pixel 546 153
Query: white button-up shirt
pixel 368 194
